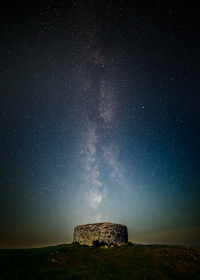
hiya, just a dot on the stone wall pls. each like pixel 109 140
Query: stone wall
pixel 109 233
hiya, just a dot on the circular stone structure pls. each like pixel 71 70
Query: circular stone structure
pixel 109 233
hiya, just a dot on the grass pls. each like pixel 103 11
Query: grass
pixel 72 261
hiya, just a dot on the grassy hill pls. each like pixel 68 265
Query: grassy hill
pixel 72 261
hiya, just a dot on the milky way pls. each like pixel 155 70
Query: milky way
pixel 98 154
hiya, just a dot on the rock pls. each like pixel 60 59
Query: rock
pixel 57 261
pixel 104 247
pixel 107 233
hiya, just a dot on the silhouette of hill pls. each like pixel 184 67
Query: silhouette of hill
pixel 73 261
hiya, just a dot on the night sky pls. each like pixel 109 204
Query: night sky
pixel 100 120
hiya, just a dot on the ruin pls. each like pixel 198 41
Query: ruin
pixel 109 233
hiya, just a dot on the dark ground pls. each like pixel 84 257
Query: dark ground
pixel 72 261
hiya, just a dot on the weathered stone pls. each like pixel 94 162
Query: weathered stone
pixel 108 233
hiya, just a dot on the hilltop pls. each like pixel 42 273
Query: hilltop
pixel 73 261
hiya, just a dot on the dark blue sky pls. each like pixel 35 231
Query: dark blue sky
pixel 100 114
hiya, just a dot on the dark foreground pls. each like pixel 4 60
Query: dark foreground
pixel 73 261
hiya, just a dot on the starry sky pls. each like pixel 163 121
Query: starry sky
pixel 99 119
